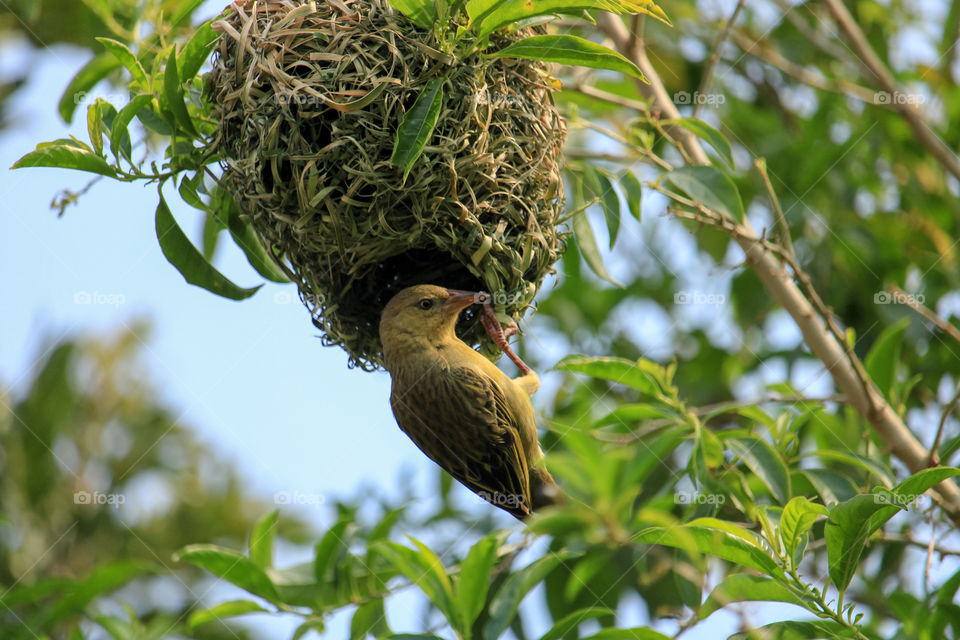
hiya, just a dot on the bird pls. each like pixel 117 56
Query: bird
pixel 458 407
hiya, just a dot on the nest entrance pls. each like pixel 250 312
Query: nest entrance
pixel 308 97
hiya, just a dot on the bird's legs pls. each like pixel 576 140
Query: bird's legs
pixel 528 380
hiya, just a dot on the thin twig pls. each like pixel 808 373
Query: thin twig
pixel 872 62
pixel 761 165
pixel 911 302
pixel 947 410
pixel 715 56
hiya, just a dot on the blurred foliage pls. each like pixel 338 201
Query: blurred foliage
pixel 99 485
pixel 708 458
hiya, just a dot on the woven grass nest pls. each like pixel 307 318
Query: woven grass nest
pixel 309 96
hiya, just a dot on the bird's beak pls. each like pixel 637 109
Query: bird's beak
pixel 460 300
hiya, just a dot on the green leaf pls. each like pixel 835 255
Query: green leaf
pixel 96 114
pixel 707 133
pixel 422 12
pixel 846 532
pixel 798 630
pixel 119 132
pixel 597 182
pixel 587 244
pixel 765 462
pixel 488 15
pixel 197 50
pixel 572 50
pixel 710 187
pixel 261 540
pixel 571 621
pixel 417 126
pixel 910 490
pixel 507 600
pixel 881 361
pixel 173 91
pixel 233 567
pixel 191 264
pixel 633 192
pixel 798 516
pixel 128 59
pixel 327 549
pixel 636 633
pixel 245 237
pixel 716 542
pixel 424 569
pixel 223 610
pixel 87 78
pixel 618 370
pixel 369 618
pixel 744 587
pixel 474 579
pixel 66 154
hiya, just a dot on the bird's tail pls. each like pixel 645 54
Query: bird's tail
pixel 544 491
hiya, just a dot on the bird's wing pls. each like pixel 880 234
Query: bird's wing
pixel 460 418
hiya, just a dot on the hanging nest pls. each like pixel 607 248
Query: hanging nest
pixel 309 96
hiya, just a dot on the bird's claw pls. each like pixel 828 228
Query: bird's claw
pixel 498 334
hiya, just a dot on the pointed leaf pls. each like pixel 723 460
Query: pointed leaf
pixel 571 621
pixel 846 532
pixel 223 610
pixel 197 50
pixel 618 370
pixel 422 12
pixel 572 50
pixel 128 59
pixel 66 154
pixel 744 587
pixel 191 264
pixel 233 567
pixel 261 540
pixel 507 600
pixel 707 133
pixel 709 186
pixel 173 91
pixel 799 630
pixel 633 192
pixel 489 15
pixel 597 181
pixel 796 519
pixel 118 131
pixel 87 78
pixel 765 462
pixel 715 542
pixel 417 126
pixel 910 490
pixel 881 361
pixel 587 243
pixel 474 579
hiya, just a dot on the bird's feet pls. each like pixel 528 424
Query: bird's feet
pixel 499 336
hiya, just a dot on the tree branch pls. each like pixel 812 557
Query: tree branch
pixel 872 62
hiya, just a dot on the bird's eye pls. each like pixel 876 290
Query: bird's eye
pixel 425 304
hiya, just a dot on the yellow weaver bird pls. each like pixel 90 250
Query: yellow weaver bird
pixel 458 407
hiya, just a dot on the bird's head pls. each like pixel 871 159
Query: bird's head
pixel 421 316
